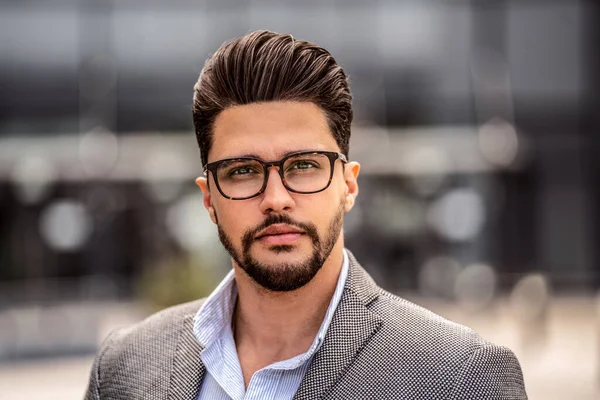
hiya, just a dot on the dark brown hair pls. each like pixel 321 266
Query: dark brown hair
pixel 265 66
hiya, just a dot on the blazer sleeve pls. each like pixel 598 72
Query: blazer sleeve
pixel 93 389
pixel 491 373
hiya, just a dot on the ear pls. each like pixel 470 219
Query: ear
pixel 351 178
pixel 202 183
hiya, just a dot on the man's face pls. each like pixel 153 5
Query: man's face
pixel 305 227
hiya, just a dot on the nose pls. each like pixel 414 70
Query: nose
pixel 276 197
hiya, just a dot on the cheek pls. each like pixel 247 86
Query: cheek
pixel 337 191
pixel 234 219
pixel 322 208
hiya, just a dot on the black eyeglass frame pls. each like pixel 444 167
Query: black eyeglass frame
pixel 331 155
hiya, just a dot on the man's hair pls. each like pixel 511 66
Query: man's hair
pixel 264 66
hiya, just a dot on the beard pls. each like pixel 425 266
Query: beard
pixel 285 277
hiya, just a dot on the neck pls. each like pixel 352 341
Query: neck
pixel 286 323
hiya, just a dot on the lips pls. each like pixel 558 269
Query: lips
pixel 279 229
pixel 279 234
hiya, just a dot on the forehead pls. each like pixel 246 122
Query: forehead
pixel 270 130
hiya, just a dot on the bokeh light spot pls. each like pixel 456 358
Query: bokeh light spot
pixel 66 225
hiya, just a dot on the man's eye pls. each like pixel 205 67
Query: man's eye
pixel 241 171
pixel 304 165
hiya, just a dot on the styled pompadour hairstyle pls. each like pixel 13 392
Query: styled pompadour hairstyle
pixel 265 66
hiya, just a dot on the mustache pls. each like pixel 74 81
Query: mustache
pixel 273 219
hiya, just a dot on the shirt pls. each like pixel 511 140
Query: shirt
pixel 224 379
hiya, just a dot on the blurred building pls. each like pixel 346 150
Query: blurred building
pixel 476 123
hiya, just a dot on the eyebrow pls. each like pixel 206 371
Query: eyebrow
pixel 252 155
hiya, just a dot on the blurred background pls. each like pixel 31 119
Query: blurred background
pixel 476 124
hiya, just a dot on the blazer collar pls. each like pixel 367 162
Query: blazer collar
pixel 188 369
pixel 352 327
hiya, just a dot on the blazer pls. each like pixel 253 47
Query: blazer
pixel 378 346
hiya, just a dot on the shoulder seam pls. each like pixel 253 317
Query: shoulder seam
pixel 468 359
pixel 101 355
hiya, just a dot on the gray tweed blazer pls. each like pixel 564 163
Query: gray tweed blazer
pixel 378 346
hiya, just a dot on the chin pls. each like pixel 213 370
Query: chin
pixel 276 254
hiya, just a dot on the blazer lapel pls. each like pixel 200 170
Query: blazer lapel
pixel 188 369
pixel 352 326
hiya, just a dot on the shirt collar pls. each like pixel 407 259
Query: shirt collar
pixel 214 316
pixel 215 313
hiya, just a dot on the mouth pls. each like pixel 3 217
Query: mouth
pixel 280 234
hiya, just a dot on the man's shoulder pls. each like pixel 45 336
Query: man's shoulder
pixel 424 355
pixel 128 356
pixel 161 327
pixel 419 329
pixel 406 322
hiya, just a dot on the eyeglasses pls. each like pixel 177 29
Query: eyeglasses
pixel 246 177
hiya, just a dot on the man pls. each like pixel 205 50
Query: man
pixel 298 317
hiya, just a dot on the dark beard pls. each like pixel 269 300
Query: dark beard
pixel 285 277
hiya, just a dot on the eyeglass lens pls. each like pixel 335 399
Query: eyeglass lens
pixel 304 173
